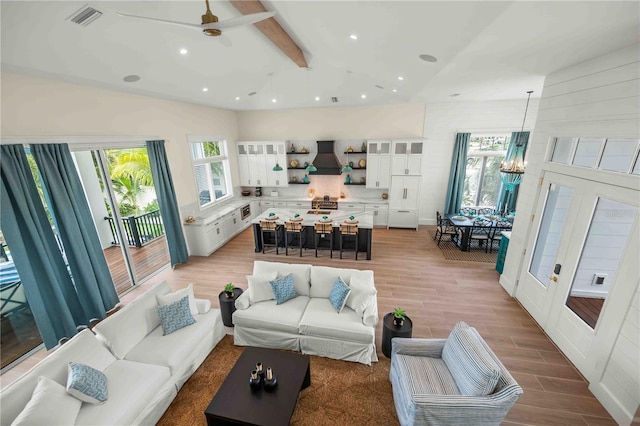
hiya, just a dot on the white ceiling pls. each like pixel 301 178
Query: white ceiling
pixel 486 50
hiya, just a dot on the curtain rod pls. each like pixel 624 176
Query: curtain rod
pixel 78 143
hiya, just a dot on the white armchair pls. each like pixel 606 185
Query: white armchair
pixel 451 381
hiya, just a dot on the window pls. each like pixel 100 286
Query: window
pixel 211 169
pixel 482 177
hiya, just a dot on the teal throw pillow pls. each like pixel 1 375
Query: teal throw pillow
pixel 175 316
pixel 283 289
pixel 87 384
pixel 339 294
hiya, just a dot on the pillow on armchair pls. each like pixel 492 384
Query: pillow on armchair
pixel 468 361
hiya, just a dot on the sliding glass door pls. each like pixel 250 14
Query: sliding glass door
pixel 126 213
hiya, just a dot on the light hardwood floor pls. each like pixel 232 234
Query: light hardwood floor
pixel 411 272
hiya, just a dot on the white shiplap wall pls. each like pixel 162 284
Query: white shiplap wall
pixel 599 98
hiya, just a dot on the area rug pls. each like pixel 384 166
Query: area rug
pixel 341 392
pixel 451 251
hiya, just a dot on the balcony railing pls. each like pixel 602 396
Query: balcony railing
pixel 139 230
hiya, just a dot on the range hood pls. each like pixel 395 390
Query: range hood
pixel 326 161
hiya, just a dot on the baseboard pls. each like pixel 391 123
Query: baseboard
pixel 611 404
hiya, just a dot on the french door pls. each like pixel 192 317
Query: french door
pixel 581 265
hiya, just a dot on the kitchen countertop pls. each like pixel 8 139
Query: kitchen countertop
pixel 365 220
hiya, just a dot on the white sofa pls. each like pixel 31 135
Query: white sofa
pixel 144 369
pixel 309 323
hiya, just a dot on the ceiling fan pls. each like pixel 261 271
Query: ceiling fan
pixel 211 26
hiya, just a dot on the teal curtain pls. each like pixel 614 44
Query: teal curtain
pixel 47 285
pixel 457 173
pixel 74 223
pixel 167 201
pixel 508 195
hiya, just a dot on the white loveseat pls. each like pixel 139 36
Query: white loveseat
pixel 309 323
pixel 144 369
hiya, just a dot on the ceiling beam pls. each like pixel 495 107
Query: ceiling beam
pixel 272 30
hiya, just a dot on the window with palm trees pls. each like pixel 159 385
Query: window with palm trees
pixel 482 177
pixel 211 170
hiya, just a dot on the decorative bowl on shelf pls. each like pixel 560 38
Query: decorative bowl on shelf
pixel 362 163
pixel 294 163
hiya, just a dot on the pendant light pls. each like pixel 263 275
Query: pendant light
pixel 512 167
pixel 311 168
pixel 347 167
pixel 277 167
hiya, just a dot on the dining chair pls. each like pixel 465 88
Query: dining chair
pixel 323 231
pixel 269 228
pixel 445 227
pixel 468 211
pixel 481 232
pixel 293 231
pixel 496 235
pixel 348 234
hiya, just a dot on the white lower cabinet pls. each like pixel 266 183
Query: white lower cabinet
pixel 403 201
pixel 403 218
pixel 380 213
pixel 204 239
pixel 298 205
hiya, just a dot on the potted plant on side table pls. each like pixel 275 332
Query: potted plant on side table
pixel 228 290
pixel 398 317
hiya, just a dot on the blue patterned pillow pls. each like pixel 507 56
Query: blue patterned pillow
pixel 339 294
pixel 175 316
pixel 87 384
pixel 471 365
pixel 283 289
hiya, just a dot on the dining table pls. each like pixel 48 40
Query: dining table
pixel 467 223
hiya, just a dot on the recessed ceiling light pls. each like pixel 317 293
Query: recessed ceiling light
pixel 237 98
pixel 353 36
pixel 428 58
pixel 183 51
pixel 274 100
pixel 317 98
pixel 205 89
pixel 400 78
pixel 131 78
pixel 363 96
pixel 394 90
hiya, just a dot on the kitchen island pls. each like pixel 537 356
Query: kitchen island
pixel 310 217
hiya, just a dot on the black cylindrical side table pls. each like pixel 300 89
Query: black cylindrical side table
pixel 389 331
pixel 228 307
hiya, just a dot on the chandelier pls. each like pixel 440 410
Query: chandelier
pixel 512 167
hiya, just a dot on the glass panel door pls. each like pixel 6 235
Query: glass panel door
pixel 608 234
pixel 19 331
pixel 550 232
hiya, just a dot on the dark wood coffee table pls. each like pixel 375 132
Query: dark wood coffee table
pixel 236 403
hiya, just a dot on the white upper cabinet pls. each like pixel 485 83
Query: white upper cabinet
pixel 243 165
pixel 256 161
pixel 378 164
pixel 407 157
pixel 275 153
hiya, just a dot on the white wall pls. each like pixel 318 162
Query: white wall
pixel 38 107
pixel 598 98
pixel 443 121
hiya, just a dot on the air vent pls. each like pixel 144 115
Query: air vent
pixel 85 15
pixel 379 87
pixel 334 99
